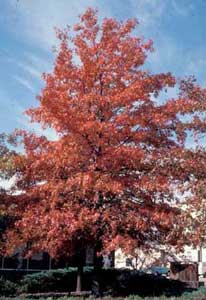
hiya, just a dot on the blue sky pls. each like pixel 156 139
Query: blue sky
pixel 177 27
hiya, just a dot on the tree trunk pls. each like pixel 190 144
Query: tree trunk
pixel 96 286
pixel 79 279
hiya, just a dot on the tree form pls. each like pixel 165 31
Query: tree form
pixel 108 181
pixel 8 155
pixel 7 171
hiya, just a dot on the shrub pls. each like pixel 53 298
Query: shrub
pixel 104 282
pixel 115 282
pixel 49 281
pixel 199 294
pixel 124 282
pixel 7 287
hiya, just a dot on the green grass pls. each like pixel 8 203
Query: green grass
pixel 199 294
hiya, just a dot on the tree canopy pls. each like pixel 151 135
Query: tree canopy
pixel 7 171
pixel 110 179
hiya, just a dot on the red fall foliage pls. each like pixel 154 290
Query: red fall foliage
pixel 109 180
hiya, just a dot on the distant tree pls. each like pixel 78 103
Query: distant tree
pixel 7 159
pixel 108 181
pixel 7 154
pixel 7 171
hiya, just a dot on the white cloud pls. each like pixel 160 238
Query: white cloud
pixel 196 67
pixel 182 10
pixel 37 61
pixel 37 128
pixel 37 19
pixel 169 54
pixel 166 51
pixel 31 70
pixel 24 122
pixel 148 12
pixel 24 82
